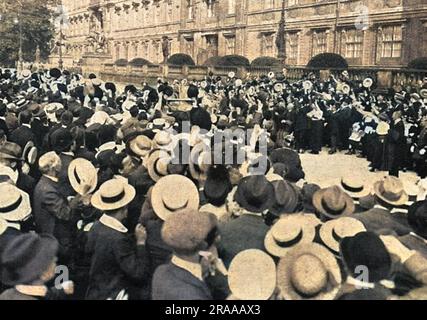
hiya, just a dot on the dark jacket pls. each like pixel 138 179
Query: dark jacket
pixel 49 206
pixel 64 182
pixel 116 262
pixel 380 220
pixel 22 136
pixel 160 253
pixel 54 216
pixel 243 233
pixel 173 283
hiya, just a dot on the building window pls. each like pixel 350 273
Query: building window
pixel 190 9
pixel 293 46
pixel 210 8
pixel 169 10
pixel 268 4
pixel 390 41
pixel 145 50
pixel 319 42
pixel 267 44
pixel 231 6
pixel 230 44
pixel 352 41
pixel 189 45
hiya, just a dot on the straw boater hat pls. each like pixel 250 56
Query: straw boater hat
pixel 163 140
pixel 14 203
pixel 290 231
pixel 112 195
pixel 157 164
pixel 200 161
pixel 308 272
pixel 333 203
pixel 174 193
pixel 391 191
pixel 81 172
pixel 141 145
pixel 9 172
pixel 383 128
pixel 354 187
pixel 333 231
pixel 252 275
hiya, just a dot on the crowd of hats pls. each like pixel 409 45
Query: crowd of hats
pixel 131 148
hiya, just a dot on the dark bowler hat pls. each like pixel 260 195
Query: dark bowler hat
pixel 217 185
pixel 55 73
pixel 202 118
pixel 27 257
pixel 255 193
pixel 61 140
pixel 366 249
pixel 192 92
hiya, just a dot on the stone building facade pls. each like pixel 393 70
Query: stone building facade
pixel 366 32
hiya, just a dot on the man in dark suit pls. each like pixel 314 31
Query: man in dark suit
pixel 187 233
pixel 62 141
pixel 23 134
pixel 389 194
pixel 119 264
pixel 53 214
pixel 396 141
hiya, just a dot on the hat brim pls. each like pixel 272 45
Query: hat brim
pixel 365 192
pixel 265 205
pixel 326 233
pixel 317 203
pixel 195 153
pixel 284 270
pixel 98 203
pixel 20 213
pixel 153 157
pixel 185 184
pixel 403 199
pixel 252 275
pixel 308 235
pixel 91 176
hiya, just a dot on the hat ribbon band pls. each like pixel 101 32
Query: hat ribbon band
pixel 12 207
pixel 76 176
pixel 336 236
pixel 175 209
pixel 351 189
pixel 291 243
pixel 113 199
pixel 333 211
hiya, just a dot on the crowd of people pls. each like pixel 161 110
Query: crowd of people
pixel 195 190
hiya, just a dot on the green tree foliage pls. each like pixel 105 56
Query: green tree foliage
pixel 35 19
pixel 328 60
